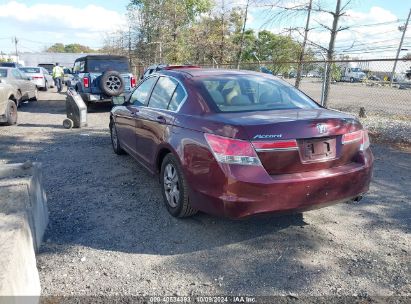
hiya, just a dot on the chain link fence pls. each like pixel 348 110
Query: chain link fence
pixel 355 84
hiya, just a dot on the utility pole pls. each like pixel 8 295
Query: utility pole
pixel 129 45
pixel 300 64
pixel 404 29
pixel 15 40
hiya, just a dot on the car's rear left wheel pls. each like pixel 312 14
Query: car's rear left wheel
pixel 114 140
pixel 11 113
pixel 175 188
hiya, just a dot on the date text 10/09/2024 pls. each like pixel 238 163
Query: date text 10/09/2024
pixel 202 299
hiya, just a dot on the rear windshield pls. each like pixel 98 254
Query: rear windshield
pixel 3 73
pixel 101 65
pixel 237 93
pixel 30 70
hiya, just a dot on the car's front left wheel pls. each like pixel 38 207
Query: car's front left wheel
pixel 175 189
pixel 114 140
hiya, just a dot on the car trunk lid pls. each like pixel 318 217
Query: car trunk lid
pixel 292 141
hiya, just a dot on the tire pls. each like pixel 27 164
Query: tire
pixel 114 140
pixel 111 83
pixel 18 99
pixel 351 80
pixel 11 113
pixel 68 123
pixel 175 189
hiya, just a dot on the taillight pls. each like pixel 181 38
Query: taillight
pixel 357 136
pixel 86 82
pixel 36 77
pixel 351 137
pixel 280 145
pixel 232 151
pixel 132 81
pixel 365 144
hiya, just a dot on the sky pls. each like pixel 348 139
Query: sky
pixel 38 24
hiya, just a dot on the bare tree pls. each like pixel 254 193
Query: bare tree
pixel 340 10
pixel 240 51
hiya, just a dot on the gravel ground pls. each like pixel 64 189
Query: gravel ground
pixel 109 233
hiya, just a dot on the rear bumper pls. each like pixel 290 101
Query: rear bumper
pixel 40 83
pixel 246 195
pixel 98 98
pixel 95 98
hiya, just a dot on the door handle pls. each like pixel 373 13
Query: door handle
pixel 161 119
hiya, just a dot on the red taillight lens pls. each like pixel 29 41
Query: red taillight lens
pixel 37 77
pixel 357 136
pixel 276 145
pixel 86 82
pixel 132 81
pixel 365 144
pixel 352 137
pixel 232 151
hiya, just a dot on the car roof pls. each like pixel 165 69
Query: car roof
pixel 101 57
pixel 200 72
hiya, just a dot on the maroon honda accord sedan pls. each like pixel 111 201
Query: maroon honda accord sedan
pixel 238 143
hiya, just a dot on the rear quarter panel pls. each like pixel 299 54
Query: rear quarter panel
pixel 5 92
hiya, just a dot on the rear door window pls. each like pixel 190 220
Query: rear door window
pixel 141 95
pixel 178 97
pixel 162 93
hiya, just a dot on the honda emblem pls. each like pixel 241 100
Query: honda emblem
pixel 322 128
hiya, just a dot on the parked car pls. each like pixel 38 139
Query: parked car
pixel 97 78
pixel 10 64
pixel 8 104
pixel 68 76
pixel 39 76
pixel 26 90
pixel 238 143
pixel 152 69
pixel 48 66
pixel 159 67
pixel 374 77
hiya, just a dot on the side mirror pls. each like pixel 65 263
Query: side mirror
pixel 118 100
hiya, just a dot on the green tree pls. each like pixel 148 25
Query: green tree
pixel 56 48
pixel 161 24
pixel 69 48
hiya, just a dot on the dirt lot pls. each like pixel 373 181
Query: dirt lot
pixel 109 233
pixel 352 96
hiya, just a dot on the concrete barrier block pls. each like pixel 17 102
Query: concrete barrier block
pixel 19 278
pixel 23 220
pixel 21 191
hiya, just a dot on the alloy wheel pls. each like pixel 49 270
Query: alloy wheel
pixel 171 185
pixel 113 83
